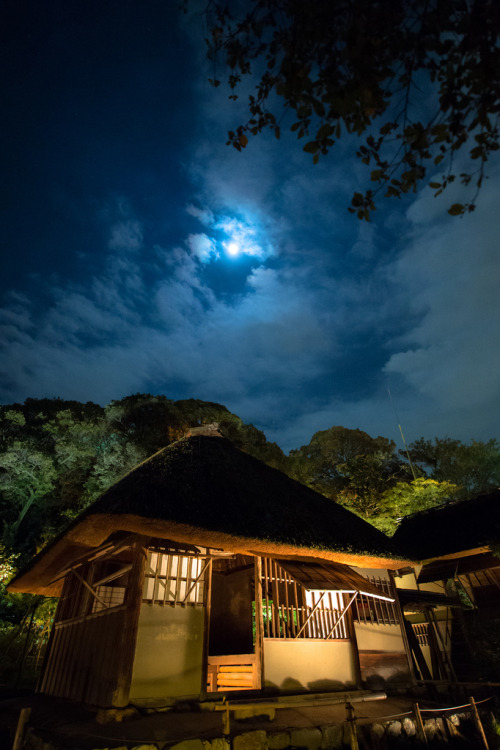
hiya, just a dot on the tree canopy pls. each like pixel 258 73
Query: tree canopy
pixel 418 82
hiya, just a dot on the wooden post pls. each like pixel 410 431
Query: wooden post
pixel 24 717
pixel 259 625
pixel 351 720
pixel 417 651
pixel 127 642
pixel 206 631
pixel 399 611
pixel 477 722
pixel 351 630
pixel 420 724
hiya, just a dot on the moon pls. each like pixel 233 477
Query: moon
pixel 233 248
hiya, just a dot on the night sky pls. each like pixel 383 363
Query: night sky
pixel 142 254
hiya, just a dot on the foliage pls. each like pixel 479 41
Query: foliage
pixel 411 497
pixel 475 468
pixel 25 623
pixel 349 466
pixel 27 476
pixel 419 82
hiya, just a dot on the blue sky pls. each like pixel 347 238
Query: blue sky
pixel 123 209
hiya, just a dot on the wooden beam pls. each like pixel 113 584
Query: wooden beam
pixel 113 576
pixel 111 548
pixel 207 564
pixel 89 588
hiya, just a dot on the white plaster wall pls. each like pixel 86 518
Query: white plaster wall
pixel 379 637
pixel 308 664
pixel 169 653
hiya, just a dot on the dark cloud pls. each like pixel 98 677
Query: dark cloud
pixel 126 276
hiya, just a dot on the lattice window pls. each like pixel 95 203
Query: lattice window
pixel 94 587
pixel 175 579
pixel 368 609
pixel 421 630
pixel 290 611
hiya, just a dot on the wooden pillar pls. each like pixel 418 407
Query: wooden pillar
pixel 399 612
pixel 127 642
pixel 259 625
pixel 206 629
pixel 351 631
pixel 417 651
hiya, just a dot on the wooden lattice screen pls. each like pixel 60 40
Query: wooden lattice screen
pixel 368 609
pixel 290 611
pixel 175 579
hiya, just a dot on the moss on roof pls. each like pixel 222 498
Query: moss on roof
pixel 453 528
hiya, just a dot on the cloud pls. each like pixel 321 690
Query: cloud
pixel 202 246
pixel 126 235
pixel 450 276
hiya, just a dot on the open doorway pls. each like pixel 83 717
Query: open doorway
pixel 232 660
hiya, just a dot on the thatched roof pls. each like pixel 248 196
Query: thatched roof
pixel 452 529
pixel 203 490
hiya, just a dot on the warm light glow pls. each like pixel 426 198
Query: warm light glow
pixel 233 248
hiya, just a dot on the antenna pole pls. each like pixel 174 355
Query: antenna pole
pixel 402 436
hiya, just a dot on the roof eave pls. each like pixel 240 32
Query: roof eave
pixel 94 529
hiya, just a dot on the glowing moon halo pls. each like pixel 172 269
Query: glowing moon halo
pixel 233 248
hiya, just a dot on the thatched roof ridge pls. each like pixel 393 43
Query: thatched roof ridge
pixel 206 491
pixel 457 527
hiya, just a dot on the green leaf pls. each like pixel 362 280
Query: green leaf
pixel 435 185
pixel 456 209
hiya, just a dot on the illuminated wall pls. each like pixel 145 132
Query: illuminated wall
pixel 304 664
pixel 169 653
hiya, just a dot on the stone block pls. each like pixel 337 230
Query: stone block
pixel 331 736
pixel 251 741
pixel 278 740
pixel 187 745
pixel 409 727
pixel 309 738
pixel 431 728
pixel 394 729
pixel 218 743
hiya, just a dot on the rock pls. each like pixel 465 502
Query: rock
pixel 431 728
pixel 251 741
pixel 394 729
pixel 332 736
pixel 409 727
pixel 218 743
pixel 278 740
pixel 306 738
pixel 188 745
pixel 377 736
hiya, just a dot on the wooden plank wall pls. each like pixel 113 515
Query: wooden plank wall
pixel 91 657
pixel 83 660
